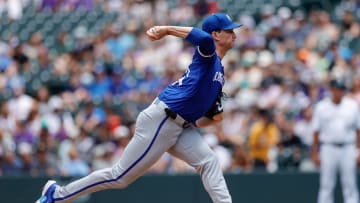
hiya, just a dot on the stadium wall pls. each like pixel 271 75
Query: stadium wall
pixel 289 187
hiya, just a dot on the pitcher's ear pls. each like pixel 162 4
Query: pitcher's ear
pixel 215 34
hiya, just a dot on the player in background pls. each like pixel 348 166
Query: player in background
pixel 169 123
pixel 336 125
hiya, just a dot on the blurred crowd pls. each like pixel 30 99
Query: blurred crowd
pixel 70 109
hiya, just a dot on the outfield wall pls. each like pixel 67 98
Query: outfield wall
pixel 245 188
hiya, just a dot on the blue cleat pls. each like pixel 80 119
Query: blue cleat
pixel 47 192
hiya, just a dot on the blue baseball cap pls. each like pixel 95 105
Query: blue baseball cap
pixel 218 21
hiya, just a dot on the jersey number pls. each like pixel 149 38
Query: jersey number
pixel 180 81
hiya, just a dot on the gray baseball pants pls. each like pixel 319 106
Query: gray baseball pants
pixel 334 159
pixel 155 134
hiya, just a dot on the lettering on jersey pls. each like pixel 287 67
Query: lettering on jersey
pixel 180 81
pixel 219 77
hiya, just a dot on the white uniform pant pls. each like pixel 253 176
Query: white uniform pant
pixel 155 134
pixel 338 159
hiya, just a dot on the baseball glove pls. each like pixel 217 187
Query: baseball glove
pixel 216 109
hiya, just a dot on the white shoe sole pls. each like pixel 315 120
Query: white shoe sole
pixel 46 187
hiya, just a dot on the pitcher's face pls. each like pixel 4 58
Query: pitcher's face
pixel 227 38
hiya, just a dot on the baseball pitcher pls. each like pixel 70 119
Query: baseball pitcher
pixel 169 123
